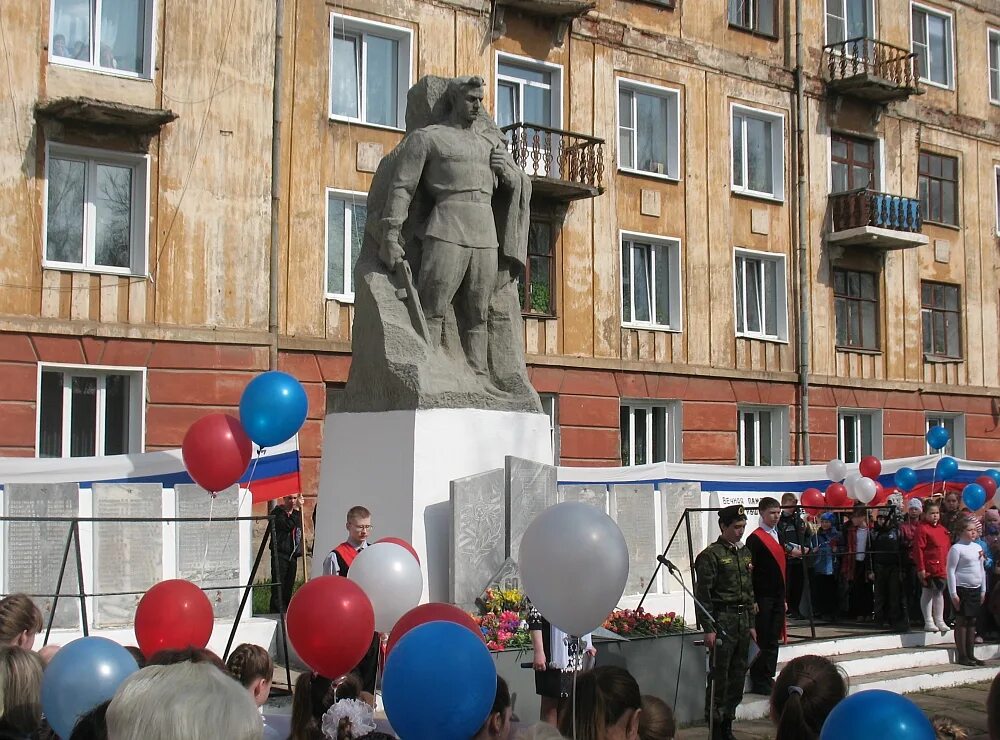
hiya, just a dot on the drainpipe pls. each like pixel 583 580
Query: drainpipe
pixel 805 287
pixel 274 279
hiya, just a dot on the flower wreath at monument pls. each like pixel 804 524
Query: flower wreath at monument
pixel 504 613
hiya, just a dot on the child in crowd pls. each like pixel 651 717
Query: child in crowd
pixel 314 694
pixel 20 692
pixel 826 544
pixel 929 553
pixel 856 567
pixel 20 621
pixel 888 556
pixel 608 704
pixel 252 666
pixel 656 721
pixel 805 692
pixel 967 591
pixel 908 531
pixel 498 723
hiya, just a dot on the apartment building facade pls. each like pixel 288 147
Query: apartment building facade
pixel 744 249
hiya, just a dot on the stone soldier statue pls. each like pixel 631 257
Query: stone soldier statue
pixel 437 319
pixel 725 587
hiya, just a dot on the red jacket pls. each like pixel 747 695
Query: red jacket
pixel 930 549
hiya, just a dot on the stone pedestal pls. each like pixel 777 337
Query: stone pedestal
pixel 400 464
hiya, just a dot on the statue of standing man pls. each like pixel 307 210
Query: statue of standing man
pixel 437 316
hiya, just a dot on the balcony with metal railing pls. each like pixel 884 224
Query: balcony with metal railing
pixel 866 217
pixel 563 165
pixel 871 70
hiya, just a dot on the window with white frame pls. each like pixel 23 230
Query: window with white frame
pixel 651 281
pixel 369 71
pixel 648 129
pixel 95 210
pixel 346 215
pixel 932 43
pixel 762 435
pixel 527 92
pixel 993 38
pixel 859 434
pixel 109 35
pixel 758 153
pixel 761 306
pixel 849 19
pixel 85 412
pixel 955 424
pixel 550 407
pixel 650 432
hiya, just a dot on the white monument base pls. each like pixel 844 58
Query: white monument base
pixel 399 465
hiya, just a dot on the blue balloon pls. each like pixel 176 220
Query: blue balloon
pixel 937 437
pixel 439 682
pixel 994 474
pixel 877 715
pixel 946 468
pixel 905 479
pixel 81 675
pixel 273 408
pixel 974 496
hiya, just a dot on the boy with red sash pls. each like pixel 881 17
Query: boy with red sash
pixel 768 557
pixel 338 563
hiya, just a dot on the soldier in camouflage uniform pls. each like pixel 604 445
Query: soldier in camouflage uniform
pixel 725 588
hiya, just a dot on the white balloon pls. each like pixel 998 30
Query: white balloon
pixel 574 565
pixel 836 470
pixel 865 490
pixel 391 579
pixel 851 483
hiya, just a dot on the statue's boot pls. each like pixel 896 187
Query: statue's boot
pixel 476 342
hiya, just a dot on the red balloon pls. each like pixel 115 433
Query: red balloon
pixel 870 467
pixel 433 612
pixel 989 485
pixel 813 501
pixel 881 494
pixel 836 496
pixel 216 452
pixel 330 622
pixel 173 615
pixel 401 543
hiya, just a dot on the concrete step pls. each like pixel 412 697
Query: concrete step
pixel 901 663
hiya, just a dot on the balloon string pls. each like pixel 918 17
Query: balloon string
pixel 576 669
pixel 229 534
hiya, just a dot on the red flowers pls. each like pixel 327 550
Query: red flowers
pixel 638 622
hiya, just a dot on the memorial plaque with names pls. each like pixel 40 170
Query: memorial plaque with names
pixel 592 495
pixel 477 543
pixel 33 551
pixel 208 553
pixel 676 497
pixel 635 514
pixel 531 488
pixel 128 556
pixel 508 577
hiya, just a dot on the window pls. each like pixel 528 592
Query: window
pixel 369 71
pixel 855 298
pixel 849 19
pixel 938 188
pixel 761 310
pixel 852 163
pixel 651 288
pixel 941 318
pixel 996 192
pixel 84 412
pixel 762 434
pixel 758 153
pixel 932 44
pixel 648 129
pixel 527 92
pixel 95 210
pixel 993 37
pixel 550 407
pixel 955 424
pixel 859 434
pixel 119 41
pixel 650 432
pixel 539 298
pixel 757 16
pixel 346 215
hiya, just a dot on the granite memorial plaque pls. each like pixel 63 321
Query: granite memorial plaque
pixel 477 543
pixel 592 495
pixel 675 498
pixel 33 551
pixel 208 553
pixel 128 556
pixel 634 511
pixel 507 577
pixel 531 488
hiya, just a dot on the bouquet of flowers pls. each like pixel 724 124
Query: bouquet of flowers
pixel 640 623
pixel 504 631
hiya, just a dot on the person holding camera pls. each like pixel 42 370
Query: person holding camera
pixel 887 561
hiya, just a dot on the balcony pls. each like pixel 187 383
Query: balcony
pixel 871 70
pixel 563 165
pixel 551 8
pixel 865 217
